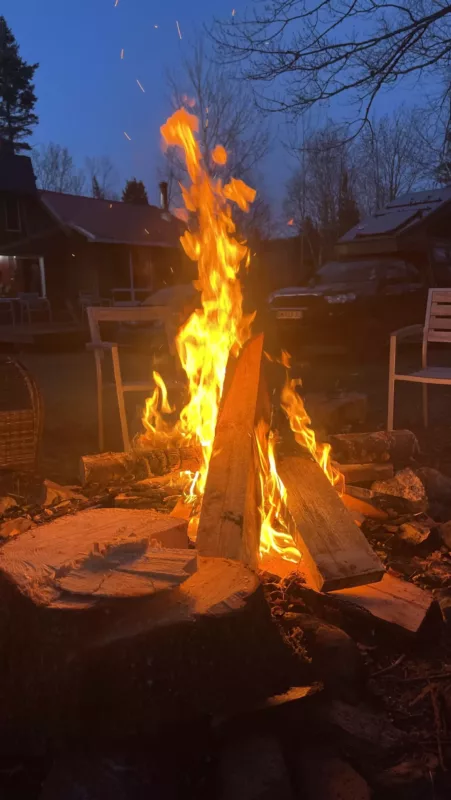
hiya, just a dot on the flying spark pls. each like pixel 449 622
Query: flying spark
pixel 146 231
pixel 140 86
pixel 233 12
pixel 122 53
pixel 178 28
pixel 116 3
pixel 127 136
pixel 155 26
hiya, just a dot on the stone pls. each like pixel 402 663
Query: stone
pixel 253 769
pixel 414 532
pixel 445 533
pixel 15 526
pixel 74 778
pixel 443 598
pixel 437 485
pixel 6 503
pixel 407 486
pixel 334 412
pixel 52 494
pixel 325 776
pixel 336 659
pixel 361 731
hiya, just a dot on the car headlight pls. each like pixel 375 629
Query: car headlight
pixel 340 298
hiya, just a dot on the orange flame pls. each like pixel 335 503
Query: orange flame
pixel 220 327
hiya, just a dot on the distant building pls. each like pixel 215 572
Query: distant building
pixel 415 226
pixel 62 245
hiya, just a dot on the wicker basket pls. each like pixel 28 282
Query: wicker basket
pixel 21 417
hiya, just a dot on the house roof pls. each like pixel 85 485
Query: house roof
pixel 400 215
pixel 16 173
pixel 114 222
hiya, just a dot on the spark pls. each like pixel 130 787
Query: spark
pixel 111 205
pixel 116 3
pixel 178 28
pixel 155 26
pixel 147 231
pixel 290 222
pixel 127 136
pixel 122 53
pixel 140 86
pixel 233 12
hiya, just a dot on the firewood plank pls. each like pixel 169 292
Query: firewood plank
pixel 365 473
pixel 377 446
pixel 229 525
pixel 35 562
pixel 392 600
pixel 332 545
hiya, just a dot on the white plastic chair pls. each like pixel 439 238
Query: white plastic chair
pixel 436 328
pixel 99 314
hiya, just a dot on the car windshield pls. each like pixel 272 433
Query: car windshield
pixel 335 272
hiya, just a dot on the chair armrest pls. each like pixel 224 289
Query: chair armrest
pixel 404 333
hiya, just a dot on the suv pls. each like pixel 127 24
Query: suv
pixel 350 303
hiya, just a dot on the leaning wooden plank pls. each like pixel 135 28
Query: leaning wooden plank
pixel 138 464
pixel 229 525
pixel 365 473
pixel 335 550
pixel 395 602
pixel 379 446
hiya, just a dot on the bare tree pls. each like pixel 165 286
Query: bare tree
pixel 55 170
pixel 103 177
pixel 311 52
pixel 320 200
pixel 391 158
pixel 227 116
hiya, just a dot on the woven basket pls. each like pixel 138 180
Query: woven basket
pixel 21 417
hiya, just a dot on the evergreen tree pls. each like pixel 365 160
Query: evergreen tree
pixel 348 210
pixel 96 191
pixel 17 97
pixel 135 192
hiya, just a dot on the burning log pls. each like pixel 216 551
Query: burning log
pixel 379 446
pixel 104 468
pixel 332 545
pixel 229 525
pixel 365 473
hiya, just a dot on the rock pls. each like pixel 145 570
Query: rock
pixel 410 773
pixel 253 769
pixel 443 598
pixel 445 533
pixel 360 731
pixel 437 485
pixel 336 659
pixel 15 526
pixel 6 503
pixel 335 412
pixel 408 487
pixel 52 494
pixel 326 777
pixel 414 532
pixel 75 778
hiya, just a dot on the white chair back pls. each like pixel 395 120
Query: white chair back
pixel 437 326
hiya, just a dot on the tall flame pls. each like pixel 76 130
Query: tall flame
pixel 219 327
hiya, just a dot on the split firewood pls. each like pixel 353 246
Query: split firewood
pixel 229 525
pixel 358 506
pixel 380 446
pixel 335 550
pixel 365 473
pixel 104 468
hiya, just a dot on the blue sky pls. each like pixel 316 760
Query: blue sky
pixel 88 96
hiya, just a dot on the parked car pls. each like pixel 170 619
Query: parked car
pixel 353 304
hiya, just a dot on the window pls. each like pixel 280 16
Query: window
pixel 12 214
pixel 402 273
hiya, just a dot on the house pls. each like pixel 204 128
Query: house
pixel 415 226
pixel 62 245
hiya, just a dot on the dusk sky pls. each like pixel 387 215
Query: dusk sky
pixel 88 96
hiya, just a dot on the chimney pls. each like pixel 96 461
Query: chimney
pixel 164 203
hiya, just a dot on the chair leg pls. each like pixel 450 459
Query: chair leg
pixel 425 405
pixel 100 429
pixel 120 397
pixel 391 402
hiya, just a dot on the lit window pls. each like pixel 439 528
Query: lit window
pixel 12 214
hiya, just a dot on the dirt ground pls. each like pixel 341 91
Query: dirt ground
pixel 67 383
